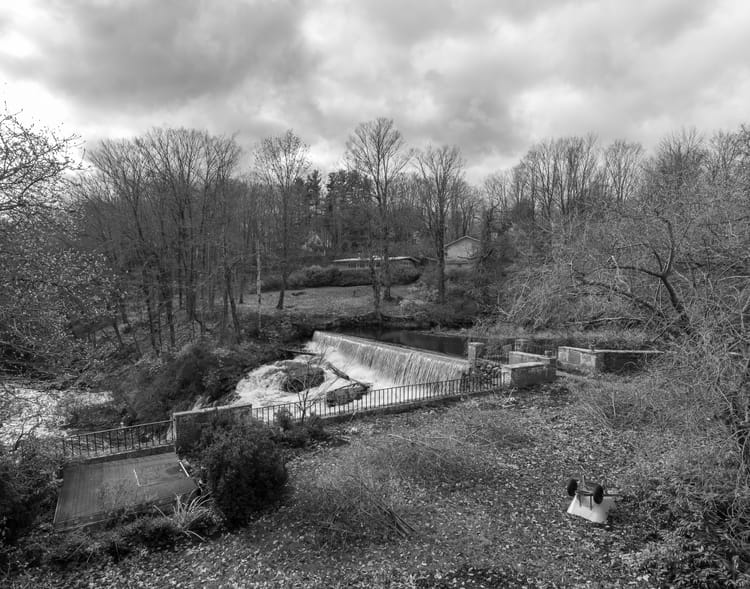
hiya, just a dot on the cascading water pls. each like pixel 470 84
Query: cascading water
pixel 394 364
pixel 368 362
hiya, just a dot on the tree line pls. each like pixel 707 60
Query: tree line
pixel 169 229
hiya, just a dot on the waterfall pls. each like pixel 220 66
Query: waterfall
pixel 397 364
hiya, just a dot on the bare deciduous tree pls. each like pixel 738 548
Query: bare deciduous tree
pixel 377 150
pixel 280 161
pixel 441 170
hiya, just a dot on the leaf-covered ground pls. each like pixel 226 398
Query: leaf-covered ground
pixel 508 530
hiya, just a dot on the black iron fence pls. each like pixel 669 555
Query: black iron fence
pixel 381 398
pixel 161 433
pixel 118 440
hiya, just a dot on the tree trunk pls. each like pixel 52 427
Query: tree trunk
pixel 166 300
pixel 375 277
pixel 385 263
pixel 258 282
pixel 232 303
pixel 150 313
pixel 440 251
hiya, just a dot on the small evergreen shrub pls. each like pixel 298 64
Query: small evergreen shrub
pixel 244 469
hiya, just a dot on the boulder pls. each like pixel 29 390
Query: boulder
pixel 300 376
pixel 347 394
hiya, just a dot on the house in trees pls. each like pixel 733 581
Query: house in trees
pixel 462 252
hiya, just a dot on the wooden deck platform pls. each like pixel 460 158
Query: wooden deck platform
pixel 91 491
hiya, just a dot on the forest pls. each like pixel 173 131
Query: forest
pixel 169 228
pixel 160 239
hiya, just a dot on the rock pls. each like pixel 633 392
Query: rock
pixel 300 376
pixel 346 394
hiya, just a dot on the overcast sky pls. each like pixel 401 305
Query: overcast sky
pixel 490 76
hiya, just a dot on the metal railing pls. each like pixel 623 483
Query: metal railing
pixel 161 433
pixel 381 398
pixel 118 440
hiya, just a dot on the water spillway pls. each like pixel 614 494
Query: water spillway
pixel 396 364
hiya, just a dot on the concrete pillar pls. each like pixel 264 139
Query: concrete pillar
pixel 521 344
pixel 475 351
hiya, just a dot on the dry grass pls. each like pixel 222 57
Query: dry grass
pixel 328 300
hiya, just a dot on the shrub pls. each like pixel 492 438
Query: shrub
pixel 155 532
pixel 298 434
pixel 314 277
pixel 352 500
pixel 284 419
pixel 194 516
pixel 353 277
pixel 27 486
pixel 154 390
pixel 83 415
pixel 401 274
pixel 245 470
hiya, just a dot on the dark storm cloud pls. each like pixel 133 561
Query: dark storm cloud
pixel 144 54
pixel 491 77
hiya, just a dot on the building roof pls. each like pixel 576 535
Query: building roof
pixel 461 239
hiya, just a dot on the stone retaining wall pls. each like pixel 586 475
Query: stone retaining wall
pixel 526 374
pixel 591 361
pixel 515 357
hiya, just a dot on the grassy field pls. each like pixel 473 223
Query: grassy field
pixel 467 495
pixel 328 300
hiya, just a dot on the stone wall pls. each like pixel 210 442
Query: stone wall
pixel 188 425
pixel 527 374
pixel 515 357
pixel 578 360
pixel 590 361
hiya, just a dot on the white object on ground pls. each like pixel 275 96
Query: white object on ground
pixel 586 508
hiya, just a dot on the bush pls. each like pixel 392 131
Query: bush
pixel 83 415
pixel 688 487
pixel 352 500
pixel 353 277
pixel 319 276
pixel 195 516
pixel 154 532
pixel 154 390
pixel 314 276
pixel 28 486
pixel 245 470
pixel 191 518
pixel 294 434
pixel 401 274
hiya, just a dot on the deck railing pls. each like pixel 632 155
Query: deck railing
pixel 118 440
pixel 381 398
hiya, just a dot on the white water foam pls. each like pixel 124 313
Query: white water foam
pixel 379 365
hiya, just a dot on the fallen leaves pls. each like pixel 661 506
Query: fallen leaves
pixel 506 529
